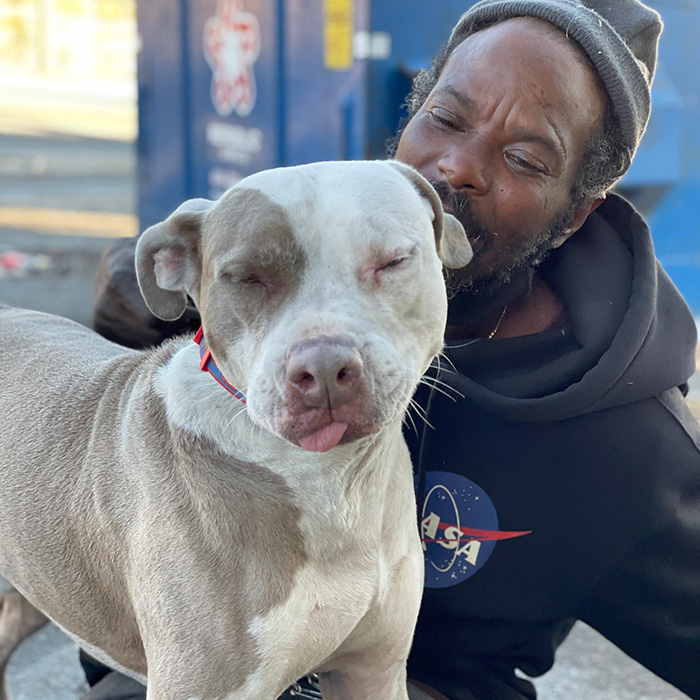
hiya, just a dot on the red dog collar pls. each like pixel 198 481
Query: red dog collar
pixel 207 364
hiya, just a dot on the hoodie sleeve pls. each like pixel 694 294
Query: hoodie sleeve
pixel 479 659
pixel 650 605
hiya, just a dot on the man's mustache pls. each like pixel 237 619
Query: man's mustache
pixel 458 204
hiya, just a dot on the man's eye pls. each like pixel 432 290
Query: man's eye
pixel 443 117
pixel 523 164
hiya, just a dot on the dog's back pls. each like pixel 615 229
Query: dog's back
pixel 56 378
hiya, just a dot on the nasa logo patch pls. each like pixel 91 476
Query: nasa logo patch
pixel 458 527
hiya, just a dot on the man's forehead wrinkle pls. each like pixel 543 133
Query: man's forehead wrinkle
pixel 519 132
pixel 522 133
pixel 459 68
pixel 466 102
pixel 546 113
pixel 562 143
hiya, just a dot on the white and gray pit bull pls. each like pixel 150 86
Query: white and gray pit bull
pixel 215 549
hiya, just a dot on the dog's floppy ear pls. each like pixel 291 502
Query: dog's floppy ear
pixel 167 260
pixel 452 243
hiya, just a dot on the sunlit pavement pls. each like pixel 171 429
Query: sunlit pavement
pixel 99 109
pixel 63 197
pixel 588 668
pixel 67 186
pixel 46 667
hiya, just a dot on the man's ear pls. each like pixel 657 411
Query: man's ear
pixel 167 260
pixel 578 220
pixel 451 241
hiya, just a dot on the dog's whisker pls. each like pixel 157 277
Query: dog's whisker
pixel 442 391
pixel 421 413
pixel 418 408
pixel 452 364
pixel 408 417
pixel 463 345
pixel 439 369
pixel 449 387
pixel 437 381
pixel 236 415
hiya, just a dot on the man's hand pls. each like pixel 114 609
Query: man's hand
pixel 420 691
pixel 120 313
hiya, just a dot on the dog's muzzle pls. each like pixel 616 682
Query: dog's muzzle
pixel 326 393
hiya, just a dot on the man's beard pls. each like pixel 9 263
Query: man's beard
pixel 479 280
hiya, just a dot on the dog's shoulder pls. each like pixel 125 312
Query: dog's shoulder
pixel 25 329
pixel 54 354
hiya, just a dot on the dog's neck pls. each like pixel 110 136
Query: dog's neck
pixel 339 486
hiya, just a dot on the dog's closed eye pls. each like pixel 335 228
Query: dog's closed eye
pixel 252 280
pixel 396 260
pixel 393 263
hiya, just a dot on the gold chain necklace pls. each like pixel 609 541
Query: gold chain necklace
pixel 491 335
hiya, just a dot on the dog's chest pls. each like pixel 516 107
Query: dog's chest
pixel 324 608
pixel 347 576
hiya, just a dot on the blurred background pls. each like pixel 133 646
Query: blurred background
pixel 112 112
pixel 68 127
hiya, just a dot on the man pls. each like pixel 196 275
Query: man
pixel 572 428
pixel 560 479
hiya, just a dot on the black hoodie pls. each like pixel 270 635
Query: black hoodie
pixel 561 480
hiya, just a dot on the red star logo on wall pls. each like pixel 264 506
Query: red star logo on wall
pixel 231 46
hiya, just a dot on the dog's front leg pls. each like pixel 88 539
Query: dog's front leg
pixel 211 680
pixel 375 668
pixel 365 682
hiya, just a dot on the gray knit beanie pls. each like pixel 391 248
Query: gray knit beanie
pixel 620 38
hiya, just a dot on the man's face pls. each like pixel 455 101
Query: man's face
pixel 501 136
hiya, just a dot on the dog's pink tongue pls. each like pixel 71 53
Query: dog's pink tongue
pixel 324 439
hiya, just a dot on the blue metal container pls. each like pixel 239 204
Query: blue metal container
pixel 230 87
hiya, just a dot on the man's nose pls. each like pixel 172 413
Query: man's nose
pixel 465 169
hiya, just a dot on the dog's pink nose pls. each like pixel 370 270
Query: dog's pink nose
pixel 325 372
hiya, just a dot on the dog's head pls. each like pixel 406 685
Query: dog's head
pixel 320 289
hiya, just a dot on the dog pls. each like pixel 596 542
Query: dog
pixel 221 533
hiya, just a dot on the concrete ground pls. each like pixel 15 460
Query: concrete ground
pixel 62 198
pixel 588 667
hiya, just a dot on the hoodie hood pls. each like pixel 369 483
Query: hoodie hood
pixel 629 335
